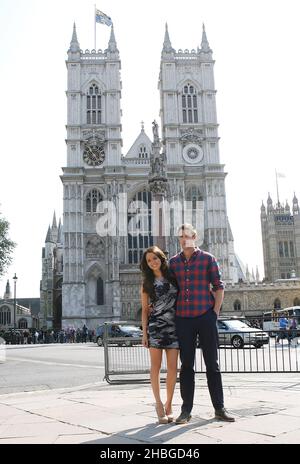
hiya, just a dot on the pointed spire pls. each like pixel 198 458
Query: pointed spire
pixel 247 273
pixel 74 45
pixel 204 43
pixel 167 46
pixel 7 294
pixel 54 230
pixel 54 225
pixel 257 275
pixel 269 204
pixel 112 44
pixel 295 205
pixel 287 207
pixel 74 36
pixel 48 236
pixel 167 41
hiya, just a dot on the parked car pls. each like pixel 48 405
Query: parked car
pixel 131 333
pixel 237 333
pixel 11 336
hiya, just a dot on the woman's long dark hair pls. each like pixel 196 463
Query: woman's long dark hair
pixel 148 275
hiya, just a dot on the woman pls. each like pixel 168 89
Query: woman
pixel 160 289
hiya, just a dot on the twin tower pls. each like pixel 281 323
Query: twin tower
pixel 100 274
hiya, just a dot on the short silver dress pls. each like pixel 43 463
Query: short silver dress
pixel 161 324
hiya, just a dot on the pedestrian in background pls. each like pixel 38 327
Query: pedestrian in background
pixel 293 329
pixel 283 326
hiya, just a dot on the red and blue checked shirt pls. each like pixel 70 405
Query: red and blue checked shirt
pixel 196 277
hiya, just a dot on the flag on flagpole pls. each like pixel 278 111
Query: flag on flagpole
pixel 102 18
pixel 278 175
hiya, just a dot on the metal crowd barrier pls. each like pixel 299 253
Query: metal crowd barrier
pixel 127 361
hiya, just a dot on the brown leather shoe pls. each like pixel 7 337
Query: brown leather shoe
pixel 222 414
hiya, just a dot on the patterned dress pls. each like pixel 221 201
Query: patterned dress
pixel 161 324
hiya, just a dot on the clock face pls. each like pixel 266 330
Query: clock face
pixel 93 155
pixel 193 154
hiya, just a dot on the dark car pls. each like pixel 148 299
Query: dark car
pixel 11 336
pixel 127 335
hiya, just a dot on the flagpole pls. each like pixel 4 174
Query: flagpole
pixel 95 25
pixel 277 187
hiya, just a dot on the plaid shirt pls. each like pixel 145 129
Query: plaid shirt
pixel 196 277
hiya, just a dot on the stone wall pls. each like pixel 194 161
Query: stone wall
pixel 256 298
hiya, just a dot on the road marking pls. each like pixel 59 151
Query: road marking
pixel 50 363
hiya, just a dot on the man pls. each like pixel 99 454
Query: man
pixel 283 326
pixel 84 333
pixel 200 297
pixel 293 331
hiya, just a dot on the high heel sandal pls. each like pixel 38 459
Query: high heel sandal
pixel 162 419
pixel 170 416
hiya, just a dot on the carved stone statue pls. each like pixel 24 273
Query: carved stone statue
pixel 155 131
pixel 157 167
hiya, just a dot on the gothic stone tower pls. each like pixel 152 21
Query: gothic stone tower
pixel 281 239
pixel 90 279
pixel 52 277
pixel 190 135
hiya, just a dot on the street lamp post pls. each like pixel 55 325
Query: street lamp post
pixel 15 278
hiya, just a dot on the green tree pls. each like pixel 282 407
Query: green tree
pixel 6 246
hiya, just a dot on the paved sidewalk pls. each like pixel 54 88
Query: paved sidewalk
pixel 266 407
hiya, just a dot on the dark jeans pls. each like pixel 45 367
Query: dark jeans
pixel 282 334
pixel 187 329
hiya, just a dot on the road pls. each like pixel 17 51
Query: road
pixel 43 367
